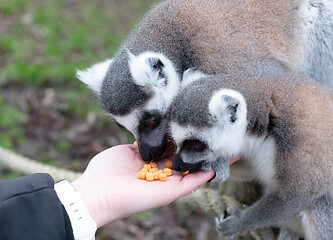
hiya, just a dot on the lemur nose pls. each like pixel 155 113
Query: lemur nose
pixel 149 153
pixel 180 165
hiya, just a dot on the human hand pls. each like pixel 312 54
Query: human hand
pixel 110 188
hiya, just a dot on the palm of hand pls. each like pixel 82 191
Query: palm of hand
pixel 112 178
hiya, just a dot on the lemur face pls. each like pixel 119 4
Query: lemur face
pixel 193 149
pixel 137 91
pixel 220 137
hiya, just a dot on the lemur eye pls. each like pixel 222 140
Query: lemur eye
pixel 198 146
pixel 194 145
pixel 152 123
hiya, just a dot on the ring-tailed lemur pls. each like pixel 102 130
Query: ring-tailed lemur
pixel 282 128
pixel 213 36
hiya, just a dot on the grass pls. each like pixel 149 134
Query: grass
pixel 49 39
pixel 42 43
pixel 10 123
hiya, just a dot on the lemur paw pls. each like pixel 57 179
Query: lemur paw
pixel 206 166
pixel 230 226
pixel 221 167
pixel 221 176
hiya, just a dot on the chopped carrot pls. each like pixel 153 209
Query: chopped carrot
pixel 147 166
pixel 163 177
pixel 168 164
pixel 167 171
pixel 150 176
pixel 150 172
pixel 153 165
pixel 141 175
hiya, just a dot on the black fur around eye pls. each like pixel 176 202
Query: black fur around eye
pixel 151 123
pixel 194 145
pixel 198 146
pixel 150 120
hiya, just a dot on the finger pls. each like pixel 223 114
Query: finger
pixel 194 181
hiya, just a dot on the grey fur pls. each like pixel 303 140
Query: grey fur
pixel 170 29
pixel 229 37
pixel 128 96
pixel 318 62
pixel 162 30
pixel 185 105
pixel 297 114
pixel 321 217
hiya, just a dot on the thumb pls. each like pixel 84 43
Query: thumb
pixel 194 181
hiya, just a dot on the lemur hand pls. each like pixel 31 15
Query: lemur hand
pixel 221 168
pixel 230 226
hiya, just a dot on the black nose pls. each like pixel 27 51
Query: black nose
pixel 152 135
pixel 179 165
pixel 149 152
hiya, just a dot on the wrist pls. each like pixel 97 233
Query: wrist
pixel 104 208
pixel 96 204
pixel 83 226
pixel 88 199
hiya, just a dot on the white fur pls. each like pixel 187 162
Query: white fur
pixel 231 135
pixel 224 139
pixel 260 153
pixel 310 13
pixel 308 16
pixel 191 76
pixel 93 76
pixel 144 76
pixel 180 133
pixel 130 121
pixel 307 224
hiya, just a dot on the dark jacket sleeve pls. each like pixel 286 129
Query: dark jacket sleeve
pixel 31 209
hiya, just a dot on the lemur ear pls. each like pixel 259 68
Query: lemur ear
pixel 93 76
pixel 231 106
pixel 148 68
pixel 155 63
pixel 156 66
pixel 225 106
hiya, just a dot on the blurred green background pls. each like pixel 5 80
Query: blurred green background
pixel 48 115
pixel 45 112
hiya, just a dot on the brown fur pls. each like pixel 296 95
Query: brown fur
pixel 299 115
pixel 242 32
pixel 311 160
pixel 223 36
pixel 295 111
